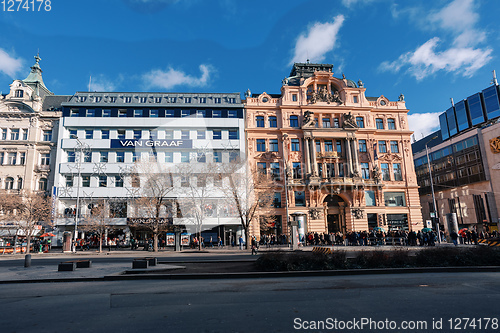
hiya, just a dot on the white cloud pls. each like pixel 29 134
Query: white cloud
pixel 349 3
pixel 10 65
pixel 319 40
pixel 462 56
pixel 423 124
pixel 100 83
pixel 172 77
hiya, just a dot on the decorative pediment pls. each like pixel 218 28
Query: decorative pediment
pixel 389 157
pixel 15 108
pixel 268 155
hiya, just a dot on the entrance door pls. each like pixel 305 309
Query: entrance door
pixel 333 223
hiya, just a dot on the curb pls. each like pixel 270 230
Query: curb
pixel 253 275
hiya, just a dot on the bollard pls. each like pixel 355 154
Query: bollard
pixel 27 260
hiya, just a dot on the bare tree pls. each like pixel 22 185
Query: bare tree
pixel 98 219
pixel 199 193
pixel 27 211
pixel 153 203
pixel 251 192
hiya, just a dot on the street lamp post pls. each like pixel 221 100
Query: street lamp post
pixel 432 188
pixel 77 210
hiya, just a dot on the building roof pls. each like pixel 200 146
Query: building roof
pixel 306 70
pixel 430 140
pixel 54 102
pixel 35 80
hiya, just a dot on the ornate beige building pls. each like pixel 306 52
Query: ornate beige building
pixel 347 157
pixel 29 117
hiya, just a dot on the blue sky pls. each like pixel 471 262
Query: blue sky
pixel 430 51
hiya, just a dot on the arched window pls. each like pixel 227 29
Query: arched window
pixel 19 183
pixel 42 184
pixel 9 183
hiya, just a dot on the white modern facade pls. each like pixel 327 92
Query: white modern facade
pixel 104 135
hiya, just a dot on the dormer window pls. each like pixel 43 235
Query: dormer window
pixel 83 98
pixel 19 93
pixel 128 99
pixel 98 99
pixel 355 99
pixel 187 99
pixel 142 99
pixel 157 99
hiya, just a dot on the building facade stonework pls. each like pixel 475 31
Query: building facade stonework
pixel 339 158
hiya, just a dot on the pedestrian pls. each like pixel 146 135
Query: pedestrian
pixel 240 240
pixel 454 237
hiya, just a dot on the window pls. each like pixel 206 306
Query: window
pixel 273 145
pixel 187 99
pixel 2 158
pixel 382 147
pixel 398 176
pixel 73 132
pixel 259 121
pixel 153 113
pixel 74 113
pixel 273 121
pixel 118 209
pixel 394 199
pixel 318 146
pixel 98 99
pixel 128 99
pixel 262 167
pixel 22 158
pixel 25 134
pixel 296 170
pixel 9 183
pixel 200 135
pixel 384 168
pixel 360 122
pixel 85 181
pixel 233 134
pixel 106 113
pixel 370 198
pixel 103 158
pixel 184 135
pixel 42 184
pixel 365 171
pixel 294 97
pixel 14 134
pixel 19 93
pixel 330 170
pixel 391 124
pixel 295 145
pixel 217 134
pixel 122 113
pixel 261 145
pixel 216 114
pixel 234 156
pixel 217 100
pixel 4 134
pixel 19 183
pixel 137 134
pixel 336 123
pixel 120 134
pixel 71 156
pixel 394 147
pixel 47 136
pixel 201 113
pixel 120 157
pixel 103 181
pixel 69 181
pixel 104 134
pixel 11 158
pixel 362 146
pixel 118 181
pixel 355 99
pixel 217 157
pixel 275 170
pixel 169 135
pixel 135 156
pixel 294 121
pixel 169 157
pixel 341 169
pixel 300 199
pixel 232 114
pixel 185 157
pixel 201 180
pixel 379 123
pixel 169 113
pixel 328 146
pixel 185 113
pixel 326 123
pixel 90 113
pixel 339 147
pixel 89 134
pixel 143 99
pixel 45 159
pixel 87 157
pixel 201 158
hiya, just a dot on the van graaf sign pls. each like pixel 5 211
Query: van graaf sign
pixel 131 143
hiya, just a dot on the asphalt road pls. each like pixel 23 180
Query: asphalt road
pixel 257 305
